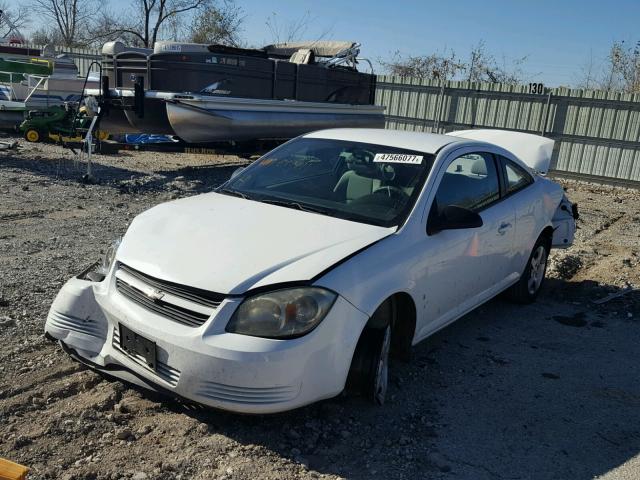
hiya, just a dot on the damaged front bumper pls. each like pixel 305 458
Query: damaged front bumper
pixel 205 364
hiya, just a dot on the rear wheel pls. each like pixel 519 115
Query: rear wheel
pixel 369 373
pixel 528 287
pixel 33 135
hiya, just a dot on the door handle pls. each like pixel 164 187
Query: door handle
pixel 503 228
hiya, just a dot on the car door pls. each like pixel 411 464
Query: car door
pixel 524 200
pixel 465 267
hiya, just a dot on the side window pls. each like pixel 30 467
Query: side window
pixel 517 178
pixel 470 181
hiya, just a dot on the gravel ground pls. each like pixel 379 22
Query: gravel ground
pixel 544 391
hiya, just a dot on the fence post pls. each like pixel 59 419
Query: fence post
pixel 543 130
pixel 436 124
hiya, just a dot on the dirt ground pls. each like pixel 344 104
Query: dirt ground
pixel 544 391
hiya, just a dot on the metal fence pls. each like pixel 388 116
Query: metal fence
pixel 83 57
pixel 597 133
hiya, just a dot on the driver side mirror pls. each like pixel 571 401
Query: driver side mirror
pixel 453 217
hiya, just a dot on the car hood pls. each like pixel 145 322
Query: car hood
pixel 230 245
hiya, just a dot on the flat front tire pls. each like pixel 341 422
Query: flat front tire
pixel 381 377
pixel 369 373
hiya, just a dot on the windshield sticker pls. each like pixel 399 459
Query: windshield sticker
pixel 398 158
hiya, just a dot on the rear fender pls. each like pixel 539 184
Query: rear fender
pixel 564 224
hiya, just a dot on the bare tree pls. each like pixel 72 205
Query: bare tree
pixel 619 72
pixel 623 68
pixel 148 18
pixel 71 18
pixel 293 30
pixel 17 15
pixel 483 67
pixel 44 36
pixel 588 75
pixel 434 66
pixel 107 27
pixel 218 24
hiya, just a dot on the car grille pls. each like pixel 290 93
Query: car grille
pixel 195 305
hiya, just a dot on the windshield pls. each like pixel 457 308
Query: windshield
pixel 357 181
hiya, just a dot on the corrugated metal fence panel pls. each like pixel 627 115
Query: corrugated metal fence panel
pixel 83 57
pixel 596 132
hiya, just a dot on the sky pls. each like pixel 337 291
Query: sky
pixel 558 37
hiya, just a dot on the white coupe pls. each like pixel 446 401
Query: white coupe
pixel 303 273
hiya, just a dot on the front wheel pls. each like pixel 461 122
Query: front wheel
pixel 528 287
pixel 33 135
pixel 369 373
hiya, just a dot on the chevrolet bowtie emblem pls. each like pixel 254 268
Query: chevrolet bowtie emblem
pixel 155 295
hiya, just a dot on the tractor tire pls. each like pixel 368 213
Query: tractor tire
pixel 34 135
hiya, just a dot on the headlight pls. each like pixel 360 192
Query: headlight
pixel 283 313
pixel 109 257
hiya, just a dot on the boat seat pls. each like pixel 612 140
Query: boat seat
pixel 304 56
pixel 352 185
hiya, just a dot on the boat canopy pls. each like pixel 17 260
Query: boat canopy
pixel 322 48
pixel 279 50
pixel 113 48
pixel 179 47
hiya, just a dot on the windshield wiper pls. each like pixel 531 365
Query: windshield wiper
pixel 296 205
pixel 235 193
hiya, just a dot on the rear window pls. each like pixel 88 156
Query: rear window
pixel 516 177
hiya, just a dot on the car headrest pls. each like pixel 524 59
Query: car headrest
pixel 361 162
pixel 365 170
pixel 479 167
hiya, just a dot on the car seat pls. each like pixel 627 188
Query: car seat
pixel 362 178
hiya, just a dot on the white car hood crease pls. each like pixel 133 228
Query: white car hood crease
pixel 229 245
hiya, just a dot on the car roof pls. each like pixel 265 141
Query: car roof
pixel 419 141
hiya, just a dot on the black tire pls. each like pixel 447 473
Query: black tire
pixel 528 287
pixel 34 135
pixel 369 372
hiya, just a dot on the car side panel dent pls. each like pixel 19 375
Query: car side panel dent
pixel 382 270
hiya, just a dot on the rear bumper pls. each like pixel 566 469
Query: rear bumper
pixel 206 364
pixel 564 223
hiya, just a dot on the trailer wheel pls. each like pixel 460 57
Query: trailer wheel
pixel 33 135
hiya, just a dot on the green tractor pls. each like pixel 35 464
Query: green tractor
pixel 63 123
pixel 59 120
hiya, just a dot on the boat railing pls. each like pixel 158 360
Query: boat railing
pixel 362 59
pixel 347 56
pixel 18 78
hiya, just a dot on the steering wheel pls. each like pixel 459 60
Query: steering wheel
pixel 391 192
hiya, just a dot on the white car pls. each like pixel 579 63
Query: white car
pixel 300 275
